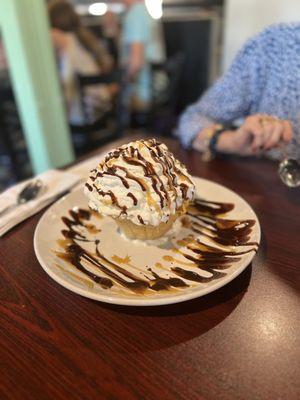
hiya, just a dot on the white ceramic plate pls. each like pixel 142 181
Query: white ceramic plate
pixel 147 261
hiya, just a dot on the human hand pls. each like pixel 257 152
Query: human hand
pixel 261 132
pixel 200 141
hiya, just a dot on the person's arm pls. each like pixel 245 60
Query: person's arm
pixel 258 132
pixel 136 59
pixel 230 98
pixel 136 35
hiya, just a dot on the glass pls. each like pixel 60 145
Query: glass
pixel 289 170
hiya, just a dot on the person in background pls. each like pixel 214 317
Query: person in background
pixel 260 93
pixel 141 45
pixel 111 33
pixel 79 52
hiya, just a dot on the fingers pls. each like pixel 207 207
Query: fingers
pixel 274 132
pixel 258 140
pixel 253 124
pixel 259 131
pixel 267 131
pixel 260 136
pixel 279 131
pixel 288 132
pixel 254 127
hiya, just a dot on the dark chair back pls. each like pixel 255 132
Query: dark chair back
pixel 173 69
pixel 14 158
pixel 104 128
pixel 165 102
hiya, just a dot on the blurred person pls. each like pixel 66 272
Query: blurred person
pixel 141 45
pixel 111 33
pixel 79 52
pixel 260 93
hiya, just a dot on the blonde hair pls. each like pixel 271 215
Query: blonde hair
pixel 64 17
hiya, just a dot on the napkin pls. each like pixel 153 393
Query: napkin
pixel 55 184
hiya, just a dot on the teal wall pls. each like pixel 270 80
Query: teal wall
pixel 25 30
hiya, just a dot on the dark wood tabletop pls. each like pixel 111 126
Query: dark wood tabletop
pixel 240 342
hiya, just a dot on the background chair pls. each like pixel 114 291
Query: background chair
pixel 14 159
pixel 106 127
pixel 166 80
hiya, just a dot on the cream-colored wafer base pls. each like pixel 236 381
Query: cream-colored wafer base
pixel 143 232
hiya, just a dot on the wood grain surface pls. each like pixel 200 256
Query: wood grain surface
pixel 240 342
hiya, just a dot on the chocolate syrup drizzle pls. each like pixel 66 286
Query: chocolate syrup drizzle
pixel 132 156
pixel 203 217
pixel 135 201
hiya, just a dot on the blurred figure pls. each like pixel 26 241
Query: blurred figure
pixel 259 93
pixel 79 52
pixel 141 45
pixel 111 33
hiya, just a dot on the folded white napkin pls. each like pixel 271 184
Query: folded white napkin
pixel 55 184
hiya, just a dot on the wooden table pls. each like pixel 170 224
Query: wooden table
pixel 240 342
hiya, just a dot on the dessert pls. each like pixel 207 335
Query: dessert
pixel 143 187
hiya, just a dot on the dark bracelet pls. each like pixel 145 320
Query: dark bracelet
pixel 212 147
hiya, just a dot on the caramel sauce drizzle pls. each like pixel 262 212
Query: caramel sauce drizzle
pixel 114 199
pixel 111 172
pixel 193 255
pixel 86 282
pixel 121 260
pixel 130 176
pixel 76 255
pixel 174 260
pixel 149 173
pixel 133 156
pixel 157 155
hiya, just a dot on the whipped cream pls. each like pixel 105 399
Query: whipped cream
pixel 141 182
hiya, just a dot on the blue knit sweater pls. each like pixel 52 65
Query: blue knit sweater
pixel 263 78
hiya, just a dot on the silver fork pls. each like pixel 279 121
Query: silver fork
pixel 29 192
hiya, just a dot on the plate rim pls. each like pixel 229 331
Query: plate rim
pixel 146 301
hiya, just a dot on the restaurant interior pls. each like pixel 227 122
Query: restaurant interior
pixel 218 82
pixel 192 39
